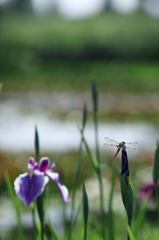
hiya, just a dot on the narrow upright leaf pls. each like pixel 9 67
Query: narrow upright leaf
pixel 130 201
pixel 39 200
pixel 85 205
pixel 93 159
pixel 37 148
pixel 52 230
pixel 40 208
pixel 111 226
pixel 140 217
pixel 84 116
pixel 16 205
pixel 156 164
pixel 95 117
pixel 127 197
pixel 123 185
pixel 131 236
pixel 85 211
pixel 94 96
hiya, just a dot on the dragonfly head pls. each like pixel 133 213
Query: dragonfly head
pixel 123 142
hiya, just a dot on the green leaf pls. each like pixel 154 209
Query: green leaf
pixel 40 209
pixel 129 204
pixel 84 116
pixel 37 148
pixel 85 205
pixel 111 226
pixel 140 217
pixel 123 185
pixel 130 233
pixel 15 203
pixel 127 197
pixel 85 211
pixel 94 96
pixel 156 164
pixel 53 233
pixel 92 158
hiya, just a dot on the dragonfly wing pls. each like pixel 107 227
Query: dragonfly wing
pixel 109 144
pixel 132 143
pixel 109 140
pixel 130 148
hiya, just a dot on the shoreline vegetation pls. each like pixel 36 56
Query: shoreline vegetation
pixel 49 53
pixel 113 107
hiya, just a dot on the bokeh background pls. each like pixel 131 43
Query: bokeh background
pixel 49 53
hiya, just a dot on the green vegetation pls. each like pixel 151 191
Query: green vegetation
pixel 50 53
pixel 122 30
pixel 107 220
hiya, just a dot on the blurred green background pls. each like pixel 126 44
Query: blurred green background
pixel 49 51
pixel 58 47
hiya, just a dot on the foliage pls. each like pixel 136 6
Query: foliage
pixel 106 224
pixel 117 50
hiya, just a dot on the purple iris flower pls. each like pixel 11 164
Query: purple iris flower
pixel 124 164
pixel 148 191
pixel 28 186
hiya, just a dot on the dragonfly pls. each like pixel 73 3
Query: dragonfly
pixel 111 142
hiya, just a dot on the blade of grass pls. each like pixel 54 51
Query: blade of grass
pixel 77 171
pixel 32 207
pixel 95 117
pixel 139 218
pixel 111 227
pixel 85 211
pixel 96 168
pixel 37 147
pixel 53 233
pixel 39 200
pixel 131 236
pixel 95 120
pixel 92 158
pixel 15 203
pixel 127 197
pixel 77 214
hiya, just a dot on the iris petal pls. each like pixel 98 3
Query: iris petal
pixel 63 189
pixel 28 188
pixel 31 163
pixel 44 164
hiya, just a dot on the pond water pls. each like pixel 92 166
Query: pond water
pixel 20 114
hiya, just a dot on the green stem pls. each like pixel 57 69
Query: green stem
pixel 85 231
pixel 96 136
pixel 102 205
pixel 33 220
pixel 40 208
pixel 77 172
pixel 129 224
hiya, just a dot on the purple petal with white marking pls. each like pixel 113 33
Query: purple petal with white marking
pixel 31 163
pixel 52 166
pixel 44 164
pixel 63 189
pixel 28 188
